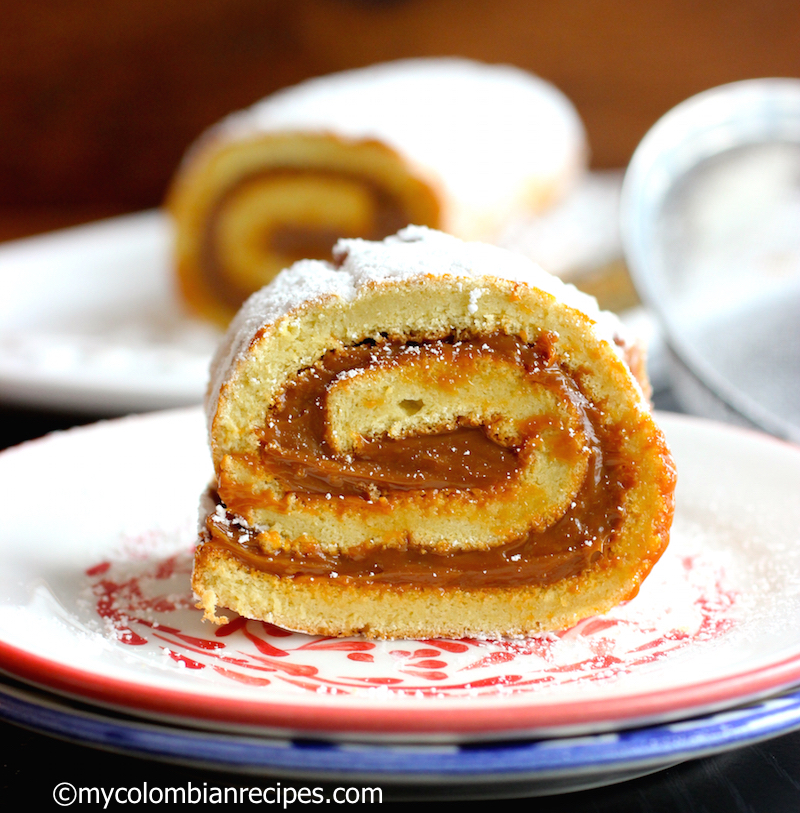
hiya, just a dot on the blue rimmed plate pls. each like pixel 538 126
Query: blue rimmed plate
pixel 494 769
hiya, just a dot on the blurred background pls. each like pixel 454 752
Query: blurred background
pixel 98 100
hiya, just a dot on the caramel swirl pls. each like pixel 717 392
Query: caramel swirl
pixel 577 539
pixel 299 450
pixel 269 219
pixel 349 434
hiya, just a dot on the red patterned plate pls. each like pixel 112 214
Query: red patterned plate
pixel 95 603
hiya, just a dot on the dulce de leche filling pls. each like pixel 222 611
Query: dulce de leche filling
pixel 469 460
pixel 292 239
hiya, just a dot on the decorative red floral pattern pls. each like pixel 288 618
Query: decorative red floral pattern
pixel 148 604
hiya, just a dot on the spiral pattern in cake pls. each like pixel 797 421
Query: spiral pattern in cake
pixel 429 437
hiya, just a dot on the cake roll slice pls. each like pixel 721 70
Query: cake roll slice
pixel 448 143
pixel 428 438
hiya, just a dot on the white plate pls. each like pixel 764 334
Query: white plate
pixel 95 603
pixel 90 320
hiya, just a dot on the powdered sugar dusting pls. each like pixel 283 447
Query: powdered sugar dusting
pixel 418 251
pixel 414 252
pixel 482 130
pixel 305 281
pixel 474 296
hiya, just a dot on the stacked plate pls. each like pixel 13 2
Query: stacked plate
pixel 102 643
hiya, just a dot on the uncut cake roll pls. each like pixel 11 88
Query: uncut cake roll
pixel 448 143
pixel 428 437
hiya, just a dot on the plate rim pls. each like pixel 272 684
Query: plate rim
pixel 641 750
pixel 451 724
pixel 88 388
